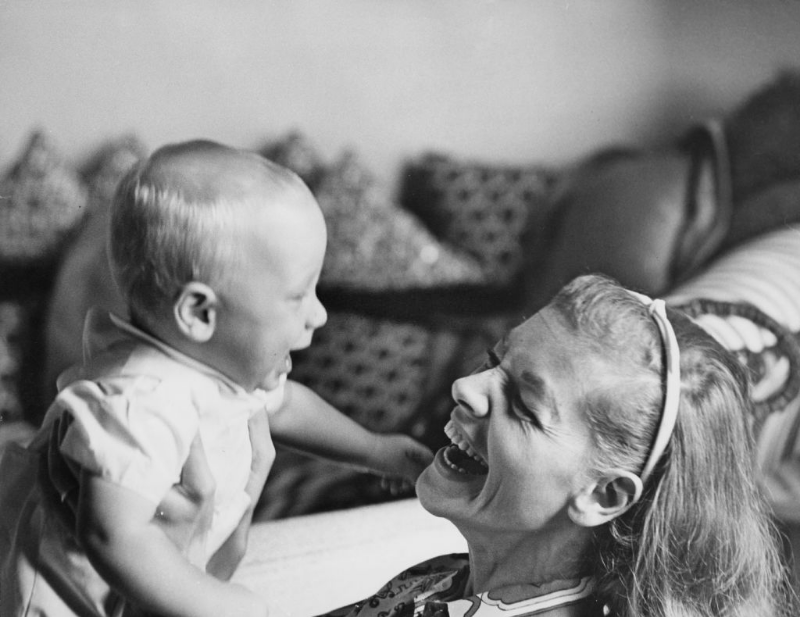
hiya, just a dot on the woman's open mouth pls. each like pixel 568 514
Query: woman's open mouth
pixel 459 455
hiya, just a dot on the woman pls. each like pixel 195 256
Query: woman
pixel 601 464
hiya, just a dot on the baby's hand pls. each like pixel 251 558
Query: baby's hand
pixel 400 461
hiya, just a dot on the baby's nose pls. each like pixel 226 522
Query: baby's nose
pixel 319 316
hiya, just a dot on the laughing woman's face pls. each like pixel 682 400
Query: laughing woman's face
pixel 520 439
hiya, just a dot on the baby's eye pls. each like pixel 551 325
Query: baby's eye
pixel 300 296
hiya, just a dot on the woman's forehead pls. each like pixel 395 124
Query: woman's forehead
pixel 550 322
pixel 540 347
pixel 546 323
pixel 546 348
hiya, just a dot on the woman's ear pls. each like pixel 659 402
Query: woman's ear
pixel 606 499
pixel 196 311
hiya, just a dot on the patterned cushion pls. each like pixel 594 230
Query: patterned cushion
pixel 12 327
pixel 296 152
pixel 104 169
pixel 372 369
pixel 41 200
pixel 493 212
pixel 375 245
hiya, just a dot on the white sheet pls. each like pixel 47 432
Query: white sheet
pixel 311 564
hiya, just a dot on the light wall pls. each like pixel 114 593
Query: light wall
pixel 521 80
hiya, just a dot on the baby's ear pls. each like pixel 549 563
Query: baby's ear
pixel 196 311
pixel 605 499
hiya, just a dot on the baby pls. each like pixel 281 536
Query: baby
pixel 217 253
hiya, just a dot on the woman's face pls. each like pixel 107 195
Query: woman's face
pixel 520 415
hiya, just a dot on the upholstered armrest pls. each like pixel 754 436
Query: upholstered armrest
pixel 307 565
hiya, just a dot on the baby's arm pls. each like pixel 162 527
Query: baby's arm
pixel 308 423
pixel 117 529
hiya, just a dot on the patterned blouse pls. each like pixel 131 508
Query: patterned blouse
pixel 436 588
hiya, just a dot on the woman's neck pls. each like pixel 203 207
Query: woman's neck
pixel 544 560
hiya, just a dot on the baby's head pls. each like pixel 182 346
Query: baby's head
pixel 217 251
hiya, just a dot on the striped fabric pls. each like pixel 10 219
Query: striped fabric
pixel 764 273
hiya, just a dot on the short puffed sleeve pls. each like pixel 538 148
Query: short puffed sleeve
pixel 137 435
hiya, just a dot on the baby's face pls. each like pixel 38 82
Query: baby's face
pixel 269 306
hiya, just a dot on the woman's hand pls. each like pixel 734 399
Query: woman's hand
pixel 186 511
pixel 225 561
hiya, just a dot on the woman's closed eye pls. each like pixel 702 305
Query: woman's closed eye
pixel 521 410
pixel 518 407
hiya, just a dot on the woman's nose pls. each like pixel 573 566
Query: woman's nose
pixel 471 395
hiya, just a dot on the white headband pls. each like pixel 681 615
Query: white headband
pixel 672 389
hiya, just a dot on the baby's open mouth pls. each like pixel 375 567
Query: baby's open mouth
pixel 459 455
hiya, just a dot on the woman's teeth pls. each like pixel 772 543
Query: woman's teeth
pixel 460 456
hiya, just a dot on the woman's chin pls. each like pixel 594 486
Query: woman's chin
pixel 440 483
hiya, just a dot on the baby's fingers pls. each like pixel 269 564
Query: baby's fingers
pixel 197 481
pixel 193 496
pixel 185 512
pixel 397 486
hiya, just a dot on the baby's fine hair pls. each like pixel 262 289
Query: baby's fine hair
pixel 699 542
pixel 175 216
